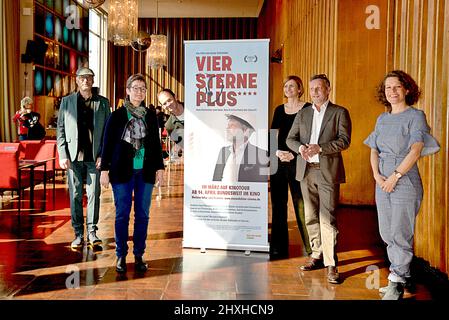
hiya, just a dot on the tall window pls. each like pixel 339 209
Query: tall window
pixel 98 47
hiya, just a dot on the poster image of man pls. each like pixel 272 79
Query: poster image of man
pixel 240 161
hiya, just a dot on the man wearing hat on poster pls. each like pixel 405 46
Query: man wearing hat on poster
pixel 81 120
pixel 241 161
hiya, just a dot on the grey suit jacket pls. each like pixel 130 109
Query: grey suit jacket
pixel 335 136
pixel 67 128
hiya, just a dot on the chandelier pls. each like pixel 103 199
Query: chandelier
pixel 92 4
pixel 122 21
pixel 157 52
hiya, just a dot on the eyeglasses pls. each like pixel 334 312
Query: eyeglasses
pixel 139 89
pixel 85 78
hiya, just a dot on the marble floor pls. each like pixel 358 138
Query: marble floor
pixel 36 261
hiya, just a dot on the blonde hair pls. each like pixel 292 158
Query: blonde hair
pixel 26 101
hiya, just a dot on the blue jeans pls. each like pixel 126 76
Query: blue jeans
pixel 123 201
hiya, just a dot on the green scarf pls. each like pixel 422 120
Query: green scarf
pixel 137 112
pixel 136 129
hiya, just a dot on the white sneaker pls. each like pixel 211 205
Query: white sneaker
pixel 77 243
pixel 394 291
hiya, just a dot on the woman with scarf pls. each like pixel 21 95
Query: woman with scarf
pixel 131 160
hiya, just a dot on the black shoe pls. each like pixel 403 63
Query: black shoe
pixel 277 255
pixel 140 265
pixel 332 274
pixel 312 264
pixel 121 265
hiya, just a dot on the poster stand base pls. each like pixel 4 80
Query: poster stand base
pixel 247 249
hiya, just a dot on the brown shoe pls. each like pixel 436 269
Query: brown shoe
pixel 312 264
pixel 332 274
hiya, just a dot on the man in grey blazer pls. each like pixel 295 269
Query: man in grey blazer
pixel 319 134
pixel 81 120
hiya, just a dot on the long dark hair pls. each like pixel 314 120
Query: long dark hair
pixel 407 82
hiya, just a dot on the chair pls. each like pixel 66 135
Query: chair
pixel 57 165
pixel 13 176
pixel 13 146
pixel 41 151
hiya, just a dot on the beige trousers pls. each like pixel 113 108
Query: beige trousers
pixel 320 202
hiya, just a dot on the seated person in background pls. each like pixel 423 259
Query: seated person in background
pixel 30 120
pixel 19 118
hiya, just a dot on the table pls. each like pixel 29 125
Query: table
pixel 25 164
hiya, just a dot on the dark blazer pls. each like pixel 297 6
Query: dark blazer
pixel 254 166
pixel 67 128
pixel 335 136
pixel 117 155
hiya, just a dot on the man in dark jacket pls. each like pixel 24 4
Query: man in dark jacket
pixel 81 120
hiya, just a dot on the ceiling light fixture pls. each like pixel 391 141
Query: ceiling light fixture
pixel 122 21
pixel 92 4
pixel 157 52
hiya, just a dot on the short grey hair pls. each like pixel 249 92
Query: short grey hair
pixel 135 77
pixel 321 77
pixel 26 101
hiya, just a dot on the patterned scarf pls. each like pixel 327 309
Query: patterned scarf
pixel 136 128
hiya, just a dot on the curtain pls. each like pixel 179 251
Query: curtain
pixel 9 67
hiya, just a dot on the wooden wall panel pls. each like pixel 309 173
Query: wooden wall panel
pixel 268 22
pixel 421 47
pixel 361 65
pixel 305 31
pixel 127 61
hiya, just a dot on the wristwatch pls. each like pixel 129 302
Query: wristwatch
pixel 397 174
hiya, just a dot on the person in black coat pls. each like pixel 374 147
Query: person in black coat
pixel 283 162
pixel 132 161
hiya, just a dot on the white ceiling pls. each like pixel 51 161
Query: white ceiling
pixel 197 8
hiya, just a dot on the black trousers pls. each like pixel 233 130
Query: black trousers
pixel 279 185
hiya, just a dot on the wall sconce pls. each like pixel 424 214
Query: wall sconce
pixel 277 56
